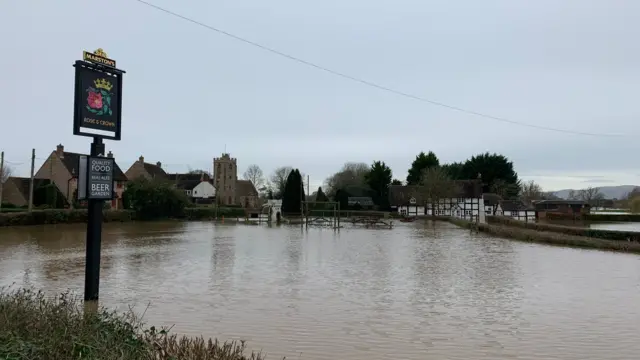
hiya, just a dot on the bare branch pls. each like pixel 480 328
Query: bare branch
pixel 279 180
pixel 437 185
pixel 589 194
pixel 530 191
pixel 255 175
pixel 5 173
pixel 350 174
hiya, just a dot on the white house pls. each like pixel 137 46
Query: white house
pixel 195 186
pixel 515 210
pixel 409 200
pixel 204 190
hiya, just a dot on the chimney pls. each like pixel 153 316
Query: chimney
pixel 60 150
pixel 141 159
pixel 110 154
pixel 159 164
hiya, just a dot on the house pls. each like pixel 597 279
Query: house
pixel 146 170
pixel 516 210
pixel 61 167
pixel 491 202
pixel 410 200
pixel 229 189
pixel 16 191
pixel 566 207
pixel 198 187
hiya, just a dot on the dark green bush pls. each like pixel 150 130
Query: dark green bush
pixel 154 199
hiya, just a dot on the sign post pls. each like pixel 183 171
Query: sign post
pixel 97 114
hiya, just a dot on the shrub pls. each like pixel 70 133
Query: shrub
pixel 35 327
pixel 154 199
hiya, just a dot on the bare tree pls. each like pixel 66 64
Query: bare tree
pixel 255 175
pixel 351 174
pixel 5 173
pixel 573 195
pixel 279 180
pixel 590 195
pixel 633 194
pixel 530 191
pixel 436 184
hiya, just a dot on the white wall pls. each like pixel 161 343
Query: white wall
pixel 524 215
pixel 468 208
pixel 203 190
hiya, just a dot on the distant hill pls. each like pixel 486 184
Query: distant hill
pixel 609 192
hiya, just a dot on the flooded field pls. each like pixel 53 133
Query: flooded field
pixel 412 292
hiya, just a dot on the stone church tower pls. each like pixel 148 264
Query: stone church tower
pixel 225 178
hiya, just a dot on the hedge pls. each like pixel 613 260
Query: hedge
pixel 69 216
pixel 567 230
pixel 594 217
pixel 613 217
pixel 520 233
pixel 40 217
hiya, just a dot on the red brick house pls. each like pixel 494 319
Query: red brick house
pixel 61 167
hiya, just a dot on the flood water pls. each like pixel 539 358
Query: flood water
pixel 413 292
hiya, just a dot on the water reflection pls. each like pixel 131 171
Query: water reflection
pixel 418 291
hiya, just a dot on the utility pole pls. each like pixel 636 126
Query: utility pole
pixel 1 176
pixel 33 160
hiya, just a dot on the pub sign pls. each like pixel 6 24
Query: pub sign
pixel 98 97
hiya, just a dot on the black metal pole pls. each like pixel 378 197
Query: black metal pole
pixel 94 237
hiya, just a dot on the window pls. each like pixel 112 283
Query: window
pixel 195 192
pixel 467 212
pixel 403 212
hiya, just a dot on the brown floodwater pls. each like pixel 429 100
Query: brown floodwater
pixel 413 292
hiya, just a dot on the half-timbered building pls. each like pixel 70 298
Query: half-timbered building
pixel 516 210
pixel 411 200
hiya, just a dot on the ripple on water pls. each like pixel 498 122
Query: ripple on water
pixel 414 292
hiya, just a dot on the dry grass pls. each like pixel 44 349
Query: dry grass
pixel 33 326
pixel 550 238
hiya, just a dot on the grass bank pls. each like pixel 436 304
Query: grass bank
pixel 549 237
pixel 568 230
pixel 71 216
pixel 35 327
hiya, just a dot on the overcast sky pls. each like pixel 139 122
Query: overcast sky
pixel 190 92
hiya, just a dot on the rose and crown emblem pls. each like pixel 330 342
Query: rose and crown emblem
pixel 99 97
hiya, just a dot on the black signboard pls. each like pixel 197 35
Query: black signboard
pixel 98 101
pixel 100 178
